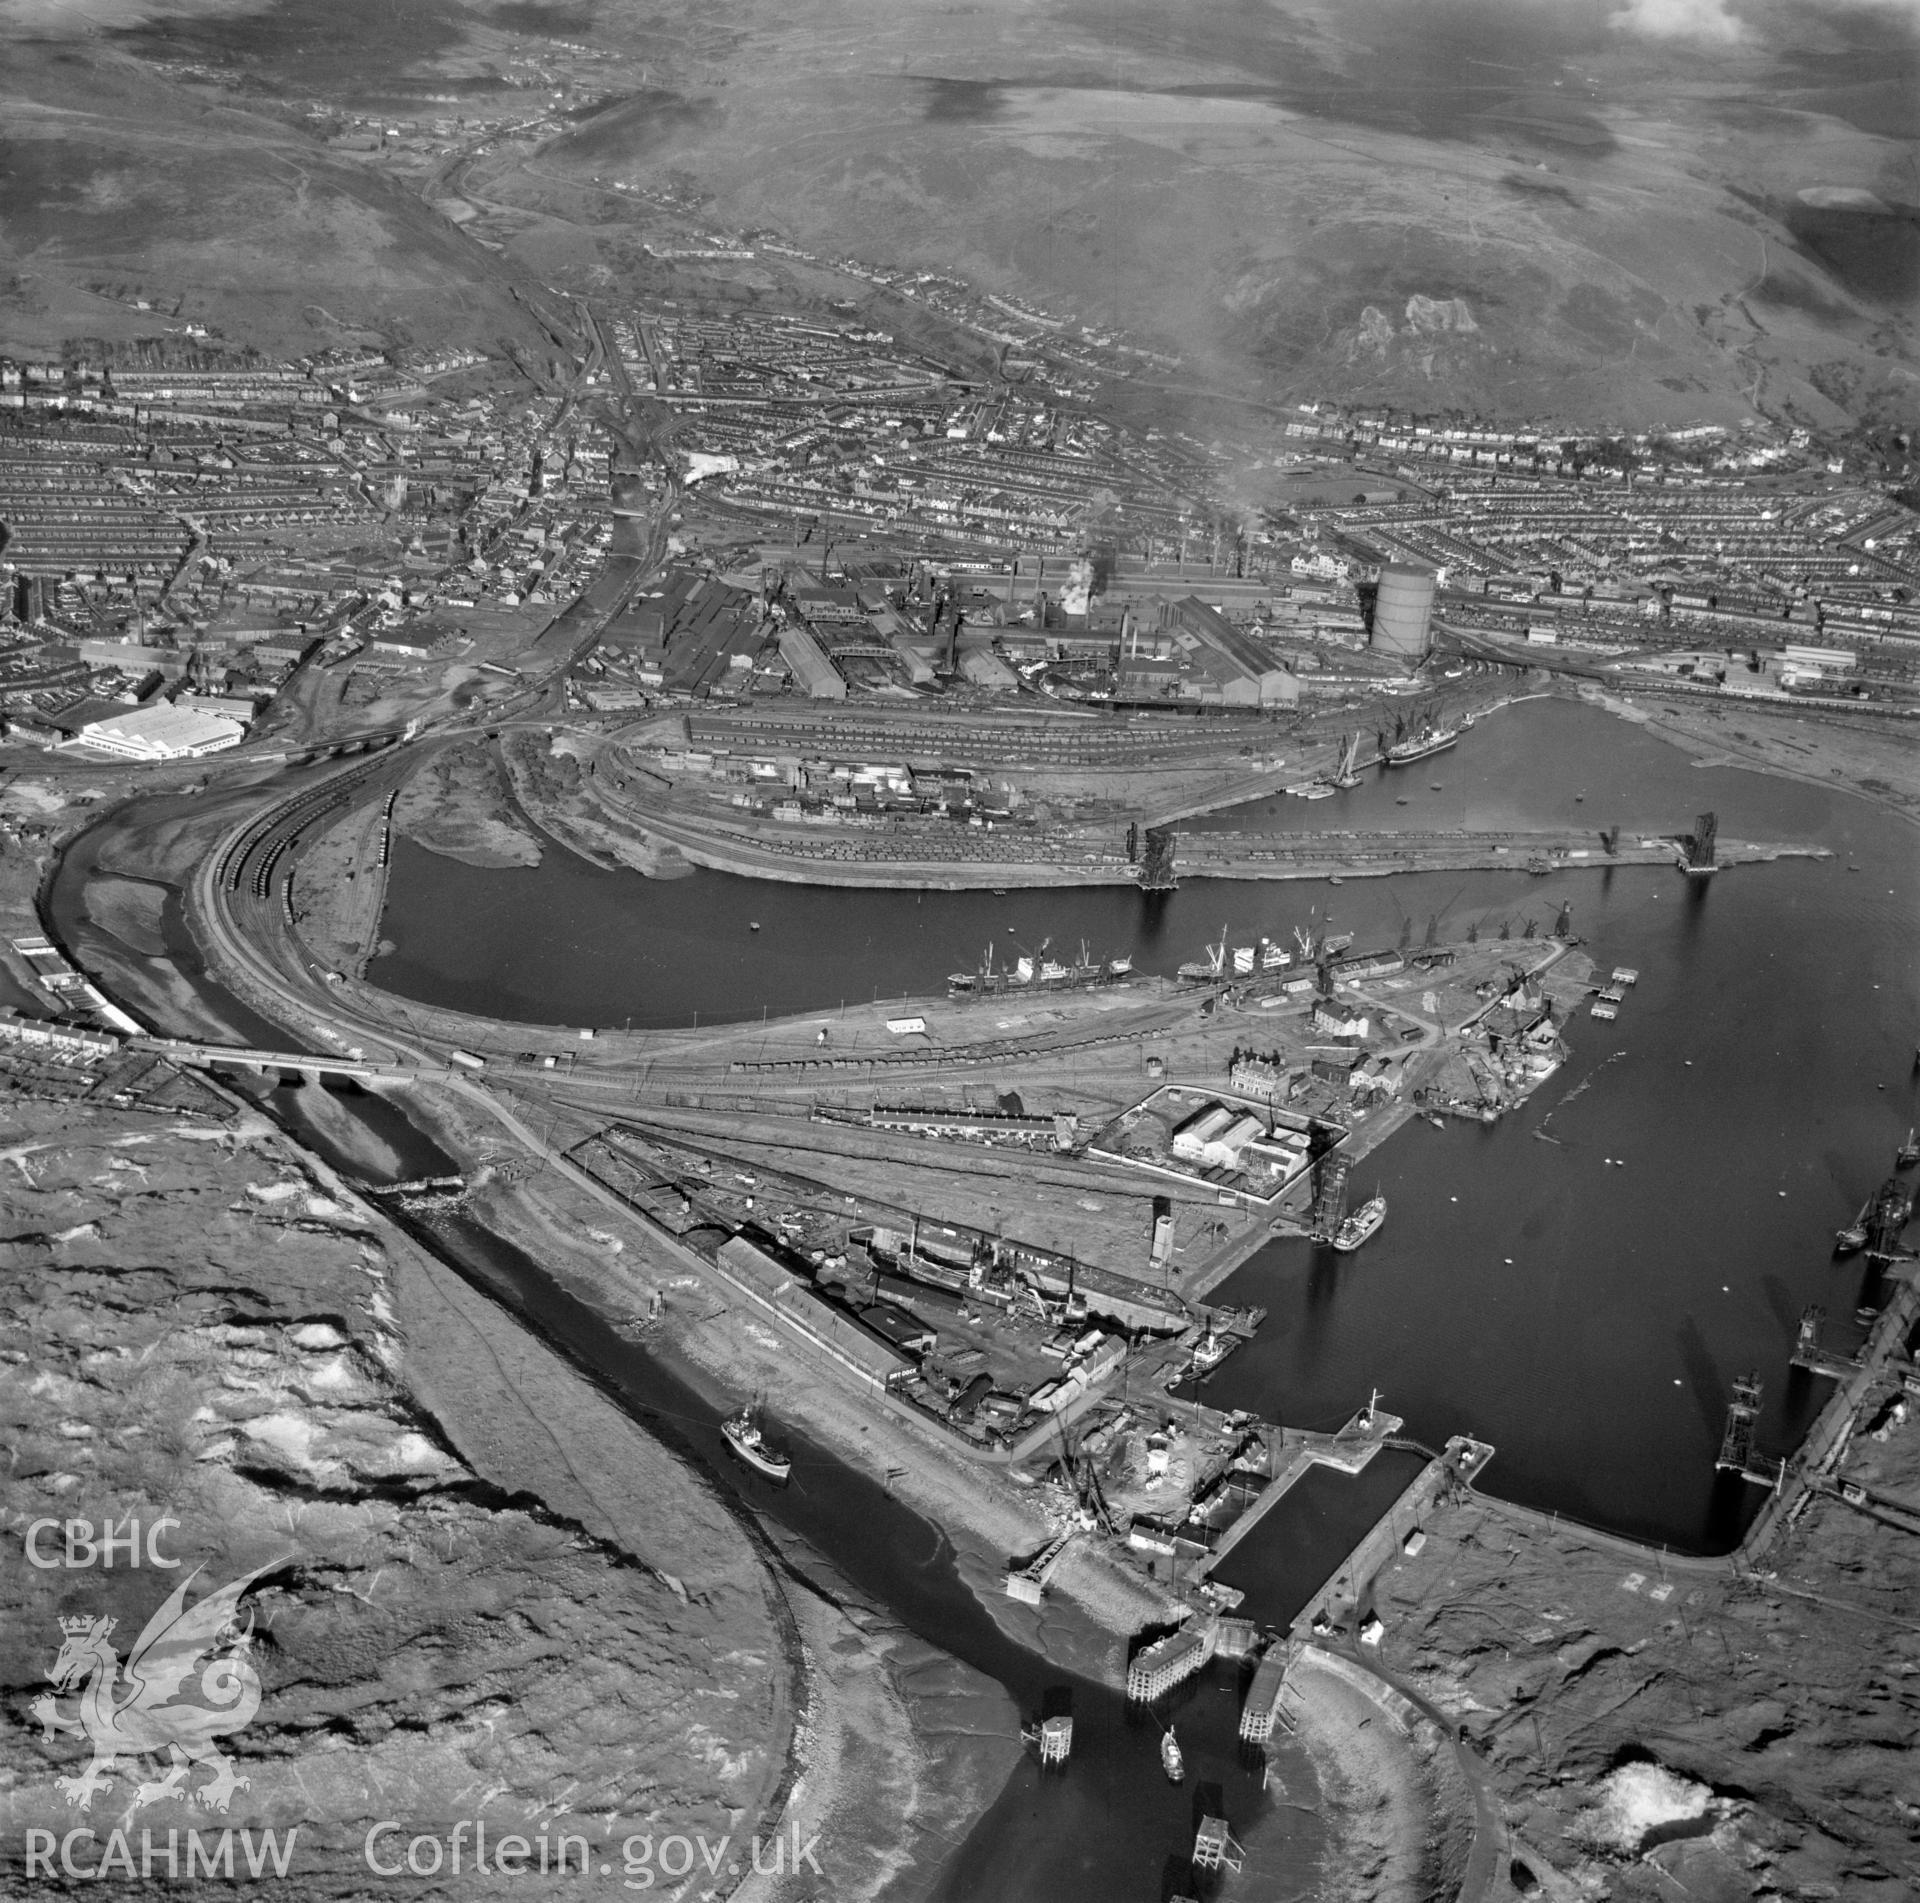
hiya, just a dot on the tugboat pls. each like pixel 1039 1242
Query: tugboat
pixel 748 1439
pixel 1211 1350
pixel 1363 1223
pixel 1172 1761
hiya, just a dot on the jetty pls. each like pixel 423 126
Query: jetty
pixel 1265 1709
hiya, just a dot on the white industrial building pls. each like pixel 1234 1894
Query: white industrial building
pixel 161 733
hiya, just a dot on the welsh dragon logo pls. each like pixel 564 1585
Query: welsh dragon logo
pixel 153 1711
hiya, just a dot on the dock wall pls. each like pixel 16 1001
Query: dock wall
pixel 1377 1546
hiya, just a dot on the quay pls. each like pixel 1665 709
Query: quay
pixel 1459 1465
pixel 1348 1451
pixel 956 860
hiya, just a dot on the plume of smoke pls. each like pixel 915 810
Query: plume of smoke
pixel 1721 22
pixel 1679 20
pixel 1079 589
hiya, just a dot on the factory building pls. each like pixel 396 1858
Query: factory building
pixel 1226 665
pixel 1403 612
pixel 162 733
pixel 813 672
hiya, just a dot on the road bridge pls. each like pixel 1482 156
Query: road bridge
pixel 306 1064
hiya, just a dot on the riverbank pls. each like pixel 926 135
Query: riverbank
pixel 956 859
pixel 729 1355
pixel 1874 760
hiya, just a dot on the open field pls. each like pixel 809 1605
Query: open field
pixel 1530 210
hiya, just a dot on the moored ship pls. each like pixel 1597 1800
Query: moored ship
pixel 1853 1237
pixel 1031 973
pixel 748 1438
pixel 1172 1759
pixel 1204 971
pixel 1363 1223
pixel 1419 742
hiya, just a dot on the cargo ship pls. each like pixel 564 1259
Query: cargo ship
pixel 1418 743
pixel 1042 973
pixel 1361 1225
pixel 1887 1214
pixel 1205 971
pixel 748 1439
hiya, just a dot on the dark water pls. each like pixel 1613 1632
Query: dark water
pixel 1319 1520
pixel 1585 1316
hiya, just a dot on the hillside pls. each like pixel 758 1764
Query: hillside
pixel 207 1333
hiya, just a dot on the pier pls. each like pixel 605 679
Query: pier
pixel 1214 1847
pixel 1737 1454
pixel 1156 1669
pixel 1056 1740
pixel 1028 1583
pixel 1265 1707
pixel 1808 1353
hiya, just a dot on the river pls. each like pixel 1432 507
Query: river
pixel 1580 1302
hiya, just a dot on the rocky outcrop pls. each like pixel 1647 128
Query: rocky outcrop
pixel 209 1342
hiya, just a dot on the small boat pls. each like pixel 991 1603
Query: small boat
pixel 1908 1154
pixel 1172 1759
pixel 748 1438
pixel 1866 1314
pixel 1434 1117
pixel 753 925
pixel 1363 1223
